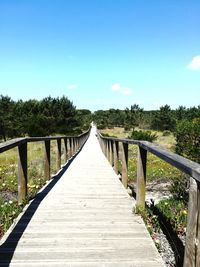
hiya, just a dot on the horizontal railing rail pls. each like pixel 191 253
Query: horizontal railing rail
pixel 110 147
pixel 71 145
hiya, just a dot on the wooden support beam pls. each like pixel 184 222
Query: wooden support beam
pixel 65 149
pixel 192 251
pixel 125 164
pixel 47 159
pixel 107 149
pixel 111 152
pixel 22 172
pixel 141 177
pixel 58 161
pixel 116 155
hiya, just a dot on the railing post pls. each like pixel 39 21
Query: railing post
pixel 70 147
pixel 65 150
pixel 141 177
pixel 104 146
pixel 22 172
pixel 110 152
pixel 116 155
pixel 73 146
pixel 125 164
pixel 47 159
pixel 58 154
pixel 107 149
pixel 76 141
pixel 192 250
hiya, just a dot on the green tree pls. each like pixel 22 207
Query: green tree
pixel 163 119
pixel 133 115
pixel 6 117
pixel 188 139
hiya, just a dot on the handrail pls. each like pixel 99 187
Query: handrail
pixel 4 146
pixel 71 145
pixel 110 147
pixel 185 165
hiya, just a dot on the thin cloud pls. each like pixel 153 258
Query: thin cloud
pixel 72 86
pixel 195 63
pixel 116 87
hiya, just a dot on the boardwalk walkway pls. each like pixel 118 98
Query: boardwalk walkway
pixel 82 218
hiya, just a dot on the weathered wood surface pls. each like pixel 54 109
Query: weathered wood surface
pixel 192 255
pixel 141 177
pixel 185 165
pixel 85 219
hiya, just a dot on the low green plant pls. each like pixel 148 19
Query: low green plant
pixel 157 170
pixel 166 133
pixel 143 135
pixel 108 135
pixel 179 187
pixel 152 223
pixel 187 135
pixel 175 212
pixel 8 210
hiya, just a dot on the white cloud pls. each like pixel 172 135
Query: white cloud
pixel 195 63
pixel 72 86
pixel 126 91
pixel 116 87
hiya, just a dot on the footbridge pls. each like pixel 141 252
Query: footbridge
pixel 84 215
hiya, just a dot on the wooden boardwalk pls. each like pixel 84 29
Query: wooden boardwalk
pixel 81 218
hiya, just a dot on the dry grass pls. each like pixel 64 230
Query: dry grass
pixel 116 131
pixel 167 142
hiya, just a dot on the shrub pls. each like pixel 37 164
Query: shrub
pixel 143 135
pixel 179 187
pixel 166 133
pixel 175 213
pixel 188 139
pixel 108 135
pixel 127 127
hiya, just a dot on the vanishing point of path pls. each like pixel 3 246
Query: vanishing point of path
pixel 81 218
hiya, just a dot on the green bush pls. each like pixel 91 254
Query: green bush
pixel 179 187
pixel 166 133
pixel 143 135
pixel 108 135
pixel 175 212
pixel 188 139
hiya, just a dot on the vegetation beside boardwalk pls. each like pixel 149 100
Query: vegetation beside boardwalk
pixel 168 212
pixel 9 207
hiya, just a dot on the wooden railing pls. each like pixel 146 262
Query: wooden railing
pixel 71 145
pixel 110 147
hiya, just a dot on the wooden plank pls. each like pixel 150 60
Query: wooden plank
pixel 125 164
pixel 111 153
pixel 47 159
pixel 185 165
pixel 141 178
pixel 58 158
pixel 11 144
pixel 22 172
pixel 198 227
pixel 65 149
pixel 190 246
pixel 116 155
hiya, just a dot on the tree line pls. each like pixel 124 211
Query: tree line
pixel 183 122
pixel 163 119
pixel 44 117
pixel 51 116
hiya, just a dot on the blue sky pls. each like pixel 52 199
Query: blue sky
pixel 101 53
